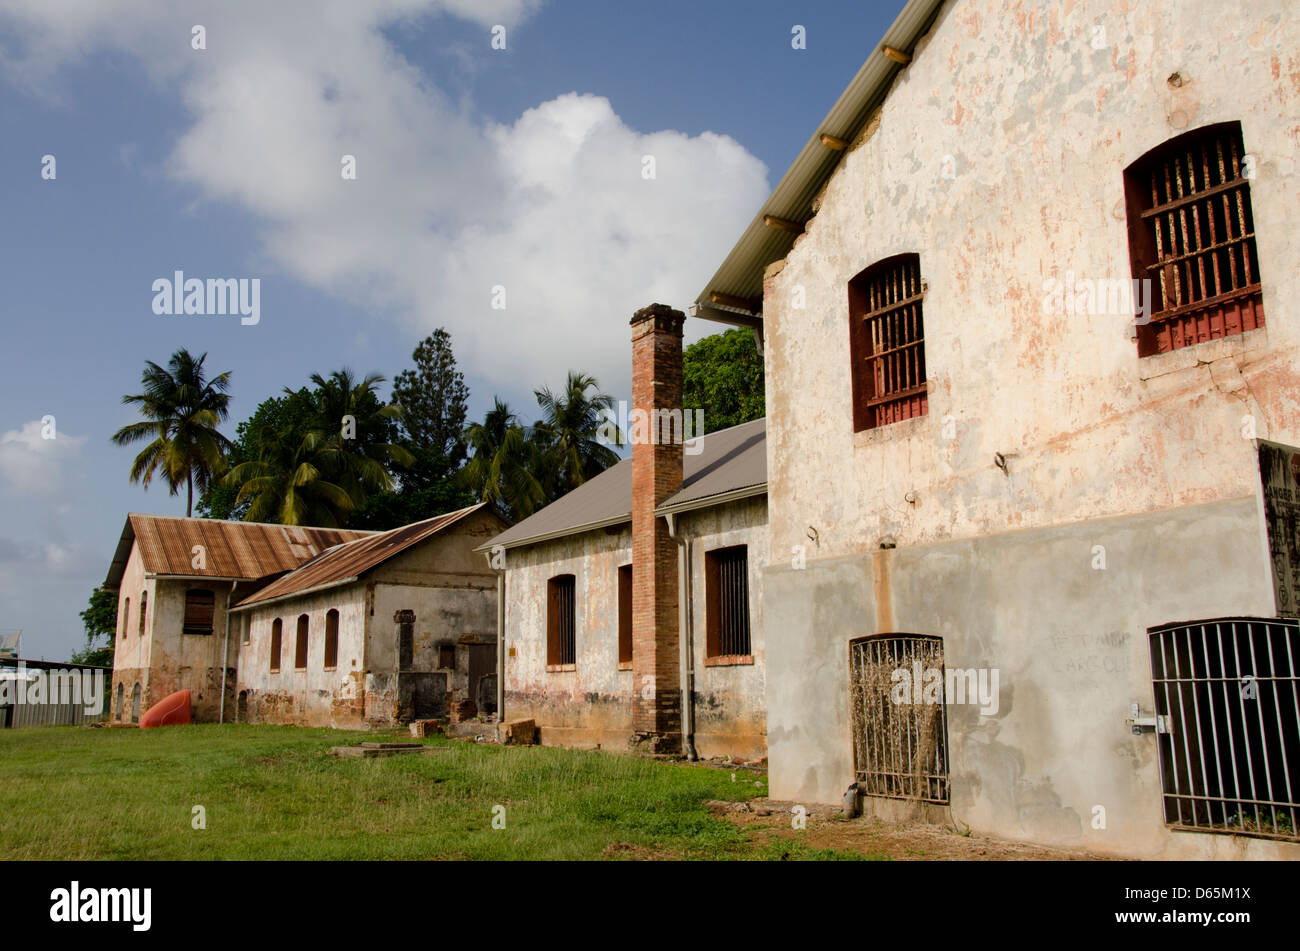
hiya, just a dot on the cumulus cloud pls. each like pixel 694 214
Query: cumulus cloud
pixel 33 464
pixel 555 207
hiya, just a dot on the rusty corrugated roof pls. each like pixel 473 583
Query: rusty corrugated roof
pixel 242 550
pixel 350 560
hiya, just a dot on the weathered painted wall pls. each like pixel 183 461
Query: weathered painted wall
pixel 999 158
pixel 1040 127
pixel 192 662
pixel 730 701
pixel 1069 642
pixel 131 651
pixel 314 696
pixel 592 702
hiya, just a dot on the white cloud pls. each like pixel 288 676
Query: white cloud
pixel 445 206
pixel 34 465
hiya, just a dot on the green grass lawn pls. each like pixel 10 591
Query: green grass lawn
pixel 275 793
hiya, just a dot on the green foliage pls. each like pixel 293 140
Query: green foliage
pixel 505 467
pixel 722 374
pixel 430 487
pixel 567 434
pixel 433 398
pixel 181 410
pixel 312 457
pixel 100 619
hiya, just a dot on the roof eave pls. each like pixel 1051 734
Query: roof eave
pixel 708 501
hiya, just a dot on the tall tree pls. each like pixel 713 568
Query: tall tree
pixel 362 430
pixel 286 484
pixel 722 374
pixel 504 464
pixel 433 397
pixel 568 433
pixel 181 410
pixel 290 412
pixel 100 619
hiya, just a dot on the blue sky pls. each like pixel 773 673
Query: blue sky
pixel 475 168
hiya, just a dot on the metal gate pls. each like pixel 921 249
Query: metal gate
pixel 1229 694
pixel 900 732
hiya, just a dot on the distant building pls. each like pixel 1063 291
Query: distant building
pixel 202 603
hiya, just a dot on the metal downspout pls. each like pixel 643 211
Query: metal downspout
pixel 687 662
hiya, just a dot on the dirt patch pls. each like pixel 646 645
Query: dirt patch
pixel 628 851
pixel 768 821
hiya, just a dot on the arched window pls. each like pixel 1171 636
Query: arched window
pixel 135 703
pixel 331 639
pixel 1192 236
pixel 121 692
pixel 887 343
pixel 300 647
pixel 277 631
pixel 199 606
pixel 126 620
pixel 144 607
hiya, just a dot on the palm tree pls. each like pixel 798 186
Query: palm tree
pixel 505 465
pixel 569 429
pixel 181 411
pixel 351 419
pixel 285 483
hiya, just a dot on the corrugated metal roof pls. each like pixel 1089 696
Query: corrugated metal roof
pixel 741 274
pixel 352 559
pixel 242 550
pixel 731 460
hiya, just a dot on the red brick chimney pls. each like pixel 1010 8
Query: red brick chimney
pixel 656 474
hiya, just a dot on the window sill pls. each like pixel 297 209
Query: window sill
pixel 729 660
pixel 302 670
pixel 335 667
pixel 1199 354
pixel 275 670
pixel 903 429
pixel 624 665
pixel 560 668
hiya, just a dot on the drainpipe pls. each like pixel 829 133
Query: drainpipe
pixel 225 655
pixel 501 638
pixel 687 640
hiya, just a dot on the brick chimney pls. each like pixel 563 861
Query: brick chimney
pixel 656 474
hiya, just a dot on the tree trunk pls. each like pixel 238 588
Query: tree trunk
pixel 189 494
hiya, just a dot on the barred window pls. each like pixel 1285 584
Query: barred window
pixel 199 605
pixel 561 627
pixel 900 749
pixel 1192 234
pixel 887 343
pixel 1228 725
pixel 144 609
pixel 726 589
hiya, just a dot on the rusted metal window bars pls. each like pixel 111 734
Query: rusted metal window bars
pixel 733 601
pixel 564 633
pixel 1227 690
pixel 888 342
pixel 900 749
pixel 1197 241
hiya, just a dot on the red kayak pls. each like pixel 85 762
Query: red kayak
pixel 169 711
